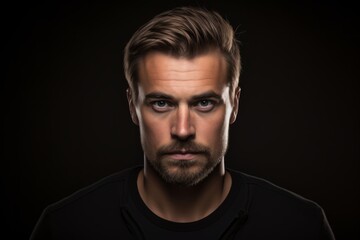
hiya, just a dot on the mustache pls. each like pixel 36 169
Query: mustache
pixel 183 147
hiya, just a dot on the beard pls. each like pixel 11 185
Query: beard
pixel 187 172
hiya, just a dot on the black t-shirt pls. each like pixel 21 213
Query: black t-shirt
pixel 113 209
pixel 214 226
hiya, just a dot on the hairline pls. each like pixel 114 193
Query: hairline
pixel 136 79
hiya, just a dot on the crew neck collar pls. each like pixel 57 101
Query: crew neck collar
pixel 232 204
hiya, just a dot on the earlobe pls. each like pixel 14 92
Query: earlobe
pixel 235 105
pixel 132 110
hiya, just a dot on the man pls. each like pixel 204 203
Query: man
pixel 183 69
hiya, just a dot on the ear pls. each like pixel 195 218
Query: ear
pixel 132 109
pixel 235 105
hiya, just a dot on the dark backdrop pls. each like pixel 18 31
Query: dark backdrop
pixel 66 122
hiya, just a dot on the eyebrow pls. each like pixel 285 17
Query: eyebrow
pixel 209 94
pixel 158 95
pixel 161 95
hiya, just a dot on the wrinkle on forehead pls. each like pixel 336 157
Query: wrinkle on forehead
pixel 165 70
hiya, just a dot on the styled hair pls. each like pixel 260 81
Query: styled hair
pixel 183 32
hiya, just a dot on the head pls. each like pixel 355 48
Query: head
pixel 183 69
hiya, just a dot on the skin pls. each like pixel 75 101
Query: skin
pixel 183 109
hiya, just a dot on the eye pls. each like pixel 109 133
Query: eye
pixel 161 105
pixel 205 105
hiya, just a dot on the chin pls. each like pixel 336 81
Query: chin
pixel 185 173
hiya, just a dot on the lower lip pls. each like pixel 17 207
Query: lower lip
pixel 187 156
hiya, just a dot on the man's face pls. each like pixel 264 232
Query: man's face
pixel 184 110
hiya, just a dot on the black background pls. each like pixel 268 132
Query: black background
pixel 66 122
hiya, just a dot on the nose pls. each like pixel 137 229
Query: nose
pixel 182 127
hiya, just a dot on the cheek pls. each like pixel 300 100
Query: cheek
pixel 153 131
pixel 214 130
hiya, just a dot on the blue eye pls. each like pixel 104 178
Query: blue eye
pixel 205 105
pixel 160 105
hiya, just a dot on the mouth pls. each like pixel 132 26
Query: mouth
pixel 183 155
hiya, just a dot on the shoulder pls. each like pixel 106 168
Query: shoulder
pixel 260 187
pixel 90 213
pixel 273 202
pixel 274 211
pixel 105 191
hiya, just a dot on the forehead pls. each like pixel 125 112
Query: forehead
pixel 162 72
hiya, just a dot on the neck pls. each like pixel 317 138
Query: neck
pixel 183 203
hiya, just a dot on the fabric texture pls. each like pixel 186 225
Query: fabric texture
pixel 113 209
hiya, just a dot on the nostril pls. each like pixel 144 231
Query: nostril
pixel 183 133
pixel 183 137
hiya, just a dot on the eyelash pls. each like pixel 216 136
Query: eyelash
pixel 210 104
pixel 166 105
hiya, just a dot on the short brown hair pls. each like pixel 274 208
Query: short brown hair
pixel 183 32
